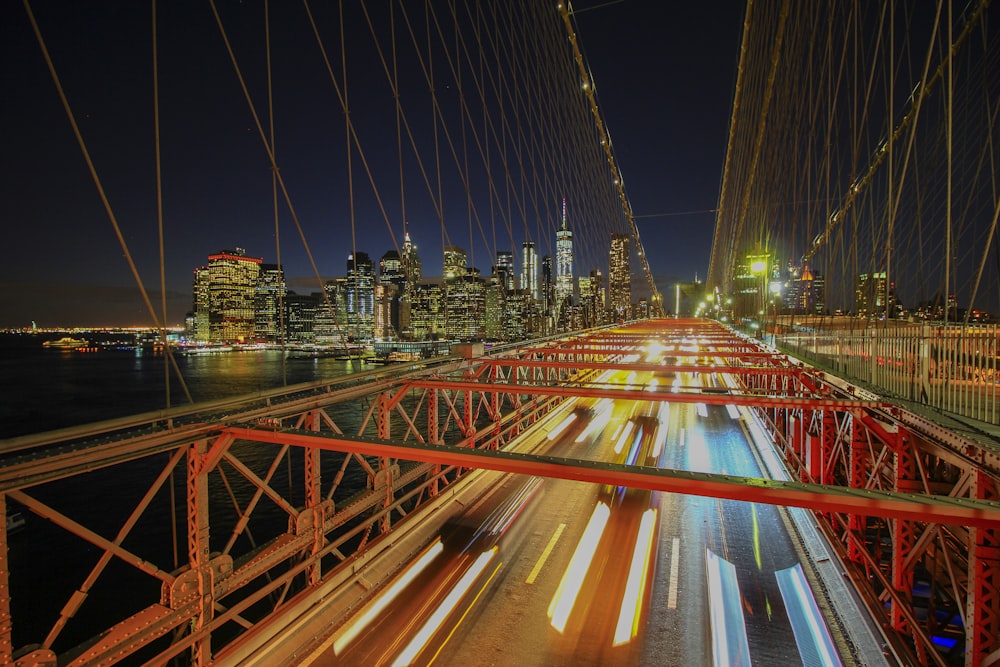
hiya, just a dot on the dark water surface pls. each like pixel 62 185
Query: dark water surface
pixel 42 389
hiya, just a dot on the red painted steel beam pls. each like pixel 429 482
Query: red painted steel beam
pixel 657 368
pixel 620 392
pixel 914 507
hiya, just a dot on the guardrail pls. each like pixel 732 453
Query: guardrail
pixel 954 369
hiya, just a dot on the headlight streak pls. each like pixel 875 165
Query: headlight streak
pixel 620 443
pixel 572 579
pixel 554 433
pixel 390 594
pixel 602 411
pixel 729 644
pixel 663 417
pixel 807 622
pixel 431 626
pixel 635 586
pixel 502 520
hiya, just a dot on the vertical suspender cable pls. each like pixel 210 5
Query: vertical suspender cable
pixel 274 194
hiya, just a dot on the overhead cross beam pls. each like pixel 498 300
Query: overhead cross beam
pixel 915 507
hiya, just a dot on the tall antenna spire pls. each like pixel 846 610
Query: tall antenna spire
pixel 564 213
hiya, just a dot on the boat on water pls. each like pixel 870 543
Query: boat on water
pixel 66 343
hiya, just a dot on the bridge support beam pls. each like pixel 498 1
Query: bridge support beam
pixel 6 644
pixel 982 612
pixel 198 549
pixel 313 498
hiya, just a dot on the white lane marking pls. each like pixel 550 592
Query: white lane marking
pixel 674 572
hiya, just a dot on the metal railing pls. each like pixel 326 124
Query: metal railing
pixel 954 369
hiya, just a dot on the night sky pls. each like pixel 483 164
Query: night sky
pixel 664 74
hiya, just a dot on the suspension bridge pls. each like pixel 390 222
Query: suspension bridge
pixel 766 481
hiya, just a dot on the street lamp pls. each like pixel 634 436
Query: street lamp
pixel 758 267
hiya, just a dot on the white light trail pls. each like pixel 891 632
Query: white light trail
pixel 448 605
pixel 572 579
pixel 380 603
pixel 620 444
pixel 554 433
pixel 635 586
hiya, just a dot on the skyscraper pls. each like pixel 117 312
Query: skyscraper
pixel 411 263
pixel 564 262
pixel 454 262
pixel 200 330
pixel 620 278
pixel 232 290
pixel 504 269
pixel 360 296
pixel 268 318
pixel 872 294
pixel 547 287
pixel 529 269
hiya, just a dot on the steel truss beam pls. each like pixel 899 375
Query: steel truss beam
pixel 910 507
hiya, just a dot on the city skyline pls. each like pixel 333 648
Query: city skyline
pixel 206 203
pixel 237 298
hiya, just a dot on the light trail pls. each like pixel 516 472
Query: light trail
pixel 448 605
pixel 554 433
pixel 811 634
pixel 620 444
pixel 631 609
pixel 572 579
pixel 380 603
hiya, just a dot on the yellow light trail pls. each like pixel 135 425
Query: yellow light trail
pixel 635 586
pixel 390 594
pixel 572 579
pixel 448 605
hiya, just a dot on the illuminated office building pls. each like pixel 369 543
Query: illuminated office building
pixel 232 292
pixel 620 278
pixel 564 263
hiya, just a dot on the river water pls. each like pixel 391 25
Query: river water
pixel 42 389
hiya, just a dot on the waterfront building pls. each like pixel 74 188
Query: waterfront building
pixel 391 301
pixel 200 331
pixel 300 317
pixel 564 262
pixel 270 294
pixel 620 278
pixel 360 296
pixel 232 290
pixel 330 312
pixel 529 269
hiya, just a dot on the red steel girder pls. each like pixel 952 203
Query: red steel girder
pixel 927 508
pixel 637 395
pixel 638 366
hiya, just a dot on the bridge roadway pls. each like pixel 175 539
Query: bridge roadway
pixel 523 532
pixel 906 506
